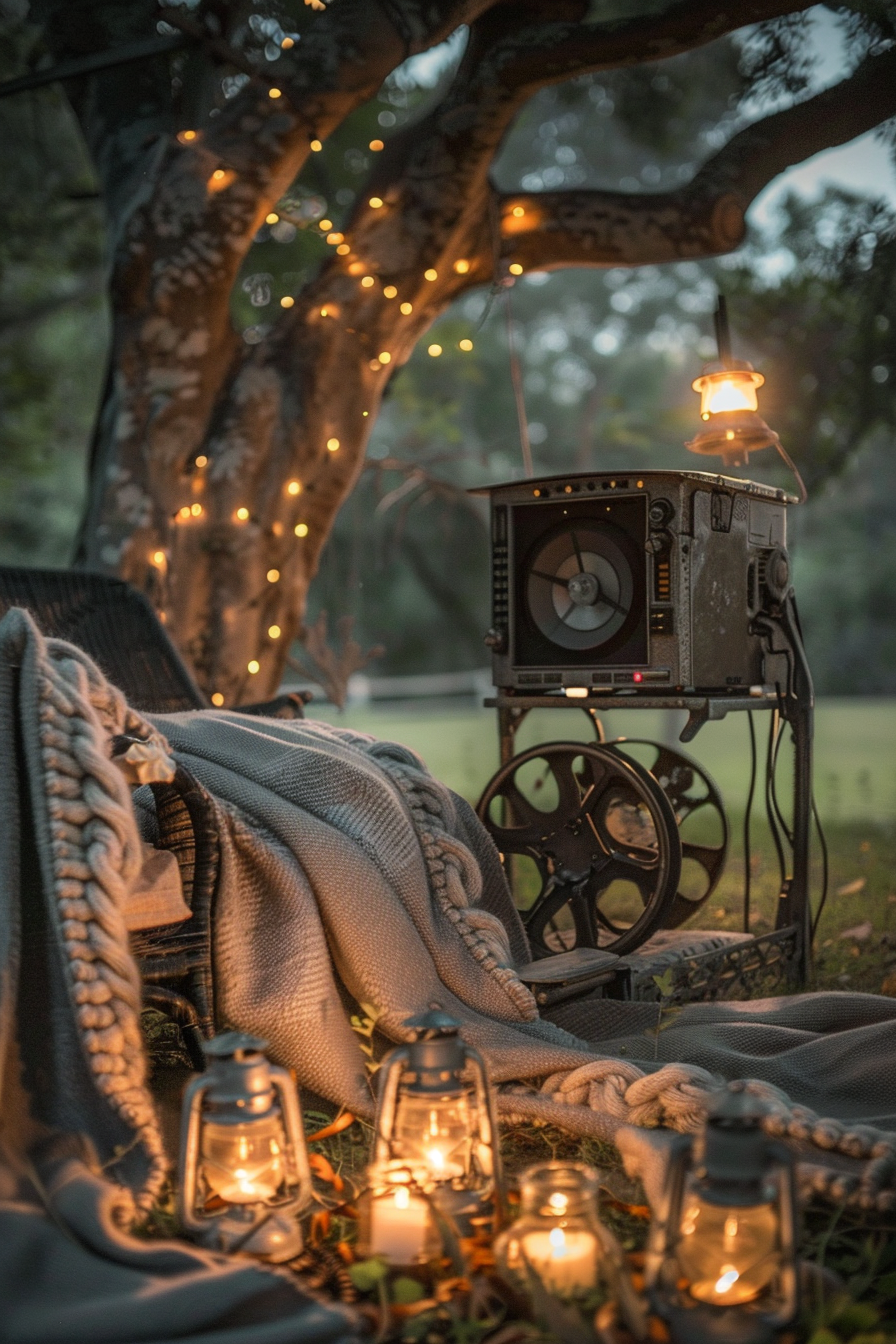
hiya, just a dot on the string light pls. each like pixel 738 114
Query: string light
pixel 196 510
pixel 274 93
pixel 367 281
pixel 253 666
pixel 375 202
pixel 334 238
pixel 316 146
pixel 187 137
pixel 158 558
pixel 343 249
pixel 518 212
pixel 184 512
pixel 287 301
pixel 271 218
pixel 462 266
pixel 287 43
pixel 375 365
pixel 515 268
pixel 277 529
pixel 220 179
pixel 294 488
pixel 325 225
pixel 407 308
pixel 273 575
pixel 384 357
pixel 365 413
pixel 430 274
pixel 465 344
pixel 274 631
pixel 376 146
pixel 332 445
pixel 434 350
pixel 325 312
pixel 301 529
pixel 356 268
pixel 202 460
pixel 242 514
pixel 390 292
pixel 217 698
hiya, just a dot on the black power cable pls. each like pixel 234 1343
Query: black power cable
pixel 751 791
pixel 769 809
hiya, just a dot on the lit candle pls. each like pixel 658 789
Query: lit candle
pixel 399 1223
pixel 565 1261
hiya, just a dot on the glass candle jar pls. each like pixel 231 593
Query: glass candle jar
pixel 557 1235
pixel 395 1217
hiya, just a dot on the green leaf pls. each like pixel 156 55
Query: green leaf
pixel 823 1336
pixel 665 983
pixel 366 1274
pixel 406 1291
pixel 857 1316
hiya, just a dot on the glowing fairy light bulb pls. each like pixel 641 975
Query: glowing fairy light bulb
pixel 375 202
pixel 253 666
pixel 390 292
pixel 462 266
pixel 242 513
pixel 202 460
pixel 287 301
pixel 333 445
pixel 273 575
pixel 343 249
pixel 435 350
pixel 217 699
pixel 274 632
pixel 367 281
pixel 376 146
pixel 430 274
pixel 465 344
pixel 325 225
pixel 271 218
pixel 384 357
pixel 407 309
pixel 294 488
pixel 275 93
pixel 316 146
pixel 518 212
pixel 515 268
pixel 301 529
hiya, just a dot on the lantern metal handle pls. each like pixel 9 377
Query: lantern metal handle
pixel 294 1127
pixel 189 1155
pixel 387 1103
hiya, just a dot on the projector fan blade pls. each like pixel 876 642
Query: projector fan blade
pixel 579 586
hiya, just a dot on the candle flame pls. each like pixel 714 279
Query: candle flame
pixel 729 396
pixel 557 1239
pixel 558 1202
pixel 727 1279
pixel 402 1198
pixel 436 1159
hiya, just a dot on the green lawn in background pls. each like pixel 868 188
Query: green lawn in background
pixel 855 785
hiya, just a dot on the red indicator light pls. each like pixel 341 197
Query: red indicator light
pixel 637 676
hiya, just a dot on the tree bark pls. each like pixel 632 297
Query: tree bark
pixel 219 467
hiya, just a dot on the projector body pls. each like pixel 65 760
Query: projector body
pixel 645 581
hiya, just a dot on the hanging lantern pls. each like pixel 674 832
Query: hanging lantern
pixel 435 1114
pixel 557 1236
pixel 728 404
pixel 244 1173
pixel 721 1259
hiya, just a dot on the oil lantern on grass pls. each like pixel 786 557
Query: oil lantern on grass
pixel 721 1263
pixel 729 405
pixel 435 1121
pixel 244 1173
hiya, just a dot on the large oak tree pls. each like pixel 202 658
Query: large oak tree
pixel 218 466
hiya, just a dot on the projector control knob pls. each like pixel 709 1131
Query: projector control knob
pixel 777 574
pixel 496 640
pixel 660 512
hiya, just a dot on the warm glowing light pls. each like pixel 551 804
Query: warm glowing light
pixel 407 308
pixel 275 93
pixel 202 460
pixel 343 249
pixel 187 137
pixel 332 445
pixel 727 390
pixel 356 268
pixel 334 238
pixel 430 274
pixel 220 179
pixel 390 291
pixel 375 202
pixel 375 365
pixel 462 266
pixel 325 225
pixel 515 268
pixel 253 666
pixel 557 1238
pixel 436 1159
pixel 301 529
pixel 196 510
pixel 376 146
pixel 384 357
pixel 273 575
pixel 518 212
pixel 465 344
pixel 558 1202
pixel 316 146
pixel 277 528
pixel 727 1279
pixel 325 312
pixel 367 281
pixel 576 692
pixel 287 301
pixel 287 43
pixel 242 513
pixel 217 698
pixel 434 350
pixel 271 218
pixel 184 511
pixel 158 558
pixel 294 488
pixel 274 631
pixel 402 1197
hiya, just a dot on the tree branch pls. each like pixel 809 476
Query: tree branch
pixel 604 228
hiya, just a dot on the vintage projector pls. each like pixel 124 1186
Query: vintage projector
pixel 650 581
pixel 651 590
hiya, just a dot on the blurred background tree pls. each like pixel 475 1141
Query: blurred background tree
pixel 606 354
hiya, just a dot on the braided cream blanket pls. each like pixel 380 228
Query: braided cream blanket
pixel 348 873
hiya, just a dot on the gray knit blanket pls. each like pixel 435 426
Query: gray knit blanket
pixel 350 876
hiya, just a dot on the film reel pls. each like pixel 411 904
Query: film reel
pixel 691 793
pixel 579 587
pixel 603 839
